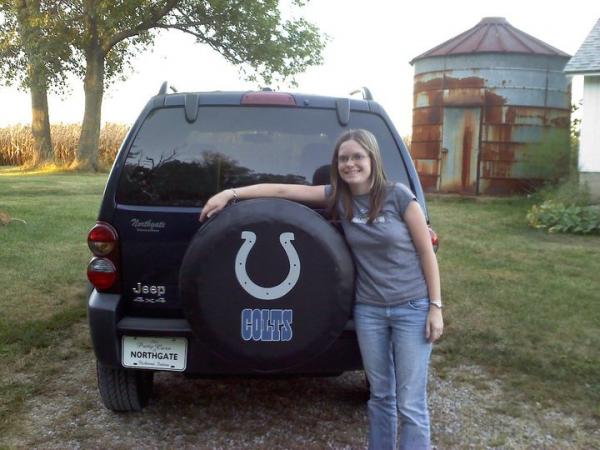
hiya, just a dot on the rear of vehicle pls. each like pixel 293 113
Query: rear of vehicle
pixel 170 295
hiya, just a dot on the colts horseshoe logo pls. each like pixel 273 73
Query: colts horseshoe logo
pixel 269 293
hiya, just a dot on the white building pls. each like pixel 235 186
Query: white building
pixel 586 62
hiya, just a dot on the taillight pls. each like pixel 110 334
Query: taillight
pixel 434 239
pixel 102 273
pixel 102 270
pixel 102 239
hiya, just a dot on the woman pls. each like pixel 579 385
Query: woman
pixel 398 301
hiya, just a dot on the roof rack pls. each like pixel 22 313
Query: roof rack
pixel 164 87
pixel 365 92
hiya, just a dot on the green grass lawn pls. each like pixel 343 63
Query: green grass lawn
pixel 520 302
pixel 42 275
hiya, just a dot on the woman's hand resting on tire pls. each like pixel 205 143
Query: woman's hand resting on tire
pixel 215 204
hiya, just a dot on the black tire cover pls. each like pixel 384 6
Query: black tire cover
pixel 247 325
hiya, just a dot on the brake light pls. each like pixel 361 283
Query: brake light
pixel 434 239
pixel 102 273
pixel 268 98
pixel 102 239
pixel 103 270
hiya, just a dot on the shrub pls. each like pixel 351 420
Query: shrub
pixel 565 209
pixel 550 159
pixel 560 218
pixel 569 192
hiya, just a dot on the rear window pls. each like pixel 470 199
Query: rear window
pixel 175 163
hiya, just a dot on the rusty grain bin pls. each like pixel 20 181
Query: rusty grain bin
pixel 484 101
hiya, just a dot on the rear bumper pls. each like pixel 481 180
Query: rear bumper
pixel 108 325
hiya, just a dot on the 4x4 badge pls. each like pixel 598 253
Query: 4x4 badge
pixel 252 288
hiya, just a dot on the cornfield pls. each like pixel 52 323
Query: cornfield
pixel 16 143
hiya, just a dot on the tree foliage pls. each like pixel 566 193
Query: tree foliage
pixel 96 39
pixel 34 45
pixel 34 55
pixel 41 41
pixel 248 33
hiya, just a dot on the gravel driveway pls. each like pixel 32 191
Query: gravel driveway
pixel 469 410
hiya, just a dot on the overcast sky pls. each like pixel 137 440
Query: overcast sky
pixel 371 45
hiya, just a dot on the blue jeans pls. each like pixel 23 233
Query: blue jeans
pixel 395 356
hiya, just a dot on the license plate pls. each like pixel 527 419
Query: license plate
pixel 158 353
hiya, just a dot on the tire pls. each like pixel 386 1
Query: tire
pixel 124 390
pixel 267 284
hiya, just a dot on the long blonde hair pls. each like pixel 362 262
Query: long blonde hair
pixel 340 188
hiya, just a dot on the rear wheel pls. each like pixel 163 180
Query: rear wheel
pixel 124 390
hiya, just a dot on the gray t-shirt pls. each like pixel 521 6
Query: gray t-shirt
pixel 388 268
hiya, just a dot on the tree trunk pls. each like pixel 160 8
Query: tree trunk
pixel 93 86
pixel 40 118
pixel 40 124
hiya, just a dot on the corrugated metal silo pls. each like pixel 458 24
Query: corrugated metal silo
pixel 482 101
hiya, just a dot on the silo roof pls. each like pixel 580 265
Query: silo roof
pixel 587 58
pixel 492 35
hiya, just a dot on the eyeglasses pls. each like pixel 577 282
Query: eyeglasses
pixel 355 157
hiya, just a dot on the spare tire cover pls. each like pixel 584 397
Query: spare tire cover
pixel 268 284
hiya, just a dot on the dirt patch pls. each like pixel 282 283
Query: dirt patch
pixel 469 409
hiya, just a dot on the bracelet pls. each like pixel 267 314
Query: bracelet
pixel 235 196
pixel 436 303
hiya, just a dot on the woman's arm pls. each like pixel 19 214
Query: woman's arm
pixel 314 195
pixel 419 232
